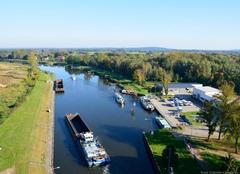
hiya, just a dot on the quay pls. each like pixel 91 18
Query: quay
pixel 173 122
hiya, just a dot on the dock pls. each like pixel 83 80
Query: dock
pixel 173 122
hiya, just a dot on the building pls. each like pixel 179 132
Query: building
pixel 179 88
pixel 60 58
pixel 205 93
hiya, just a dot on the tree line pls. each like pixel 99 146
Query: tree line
pixel 207 68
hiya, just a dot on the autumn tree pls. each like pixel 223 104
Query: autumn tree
pixel 166 79
pixel 33 70
pixel 208 114
pixel 225 105
pixel 139 76
pixel 233 123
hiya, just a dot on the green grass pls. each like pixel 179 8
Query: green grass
pixel 190 117
pixel 160 140
pixel 125 83
pixel 15 132
pixel 215 162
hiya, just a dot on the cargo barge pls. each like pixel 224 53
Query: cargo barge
pixel 58 86
pixel 94 152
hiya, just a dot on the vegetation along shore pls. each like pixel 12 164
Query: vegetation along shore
pixel 26 130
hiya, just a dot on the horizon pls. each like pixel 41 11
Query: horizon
pixel 184 25
pixel 140 47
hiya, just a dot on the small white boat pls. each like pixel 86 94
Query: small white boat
pixel 119 98
pixel 73 77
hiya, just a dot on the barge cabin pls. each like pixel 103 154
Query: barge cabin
pixel 58 86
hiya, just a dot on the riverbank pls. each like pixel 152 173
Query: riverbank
pixel 112 77
pixel 158 142
pixel 26 136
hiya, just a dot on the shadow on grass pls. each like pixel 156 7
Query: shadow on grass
pixel 158 142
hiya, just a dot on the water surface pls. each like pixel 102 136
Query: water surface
pixel 119 131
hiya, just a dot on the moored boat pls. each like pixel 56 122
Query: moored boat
pixel 58 86
pixel 146 103
pixel 94 152
pixel 73 77
pixel 162 123
pixel 119 98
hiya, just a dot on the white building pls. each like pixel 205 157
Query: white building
pixel 179 88
pixel 205 93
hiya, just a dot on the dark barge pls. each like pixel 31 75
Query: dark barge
pixel 94 152
pixel 58 86
pixel 77 125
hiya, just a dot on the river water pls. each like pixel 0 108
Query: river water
pixel 119 131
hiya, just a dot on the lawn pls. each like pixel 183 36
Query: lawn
pixel 190 117
pixel 215 162
pixel 160 140
pixel 24 134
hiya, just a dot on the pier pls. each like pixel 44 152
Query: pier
pixel 174 123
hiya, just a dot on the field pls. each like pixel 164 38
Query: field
pixel 24 135
pixel 160 140
pixel 13 87
pixel 11 73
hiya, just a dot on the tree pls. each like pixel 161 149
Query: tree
pixel 230 164
pixel 166 79
pixel 208 114
pixel 32 60
pixel 233 127
pixel 139 76
pixel 225 105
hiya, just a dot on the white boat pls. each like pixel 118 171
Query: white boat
pixel 119 98
pixel 146 103
pixel 162 123
pixel 73 77
pixel 94 152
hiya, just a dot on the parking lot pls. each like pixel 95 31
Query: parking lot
pixel 171 112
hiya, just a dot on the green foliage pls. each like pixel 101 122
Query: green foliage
pixel 160 140
pixel 170 157
pixel 208 113
pixel 139 76
pixel 221 164
pixel 16 131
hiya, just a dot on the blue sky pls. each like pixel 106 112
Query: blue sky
pixel 191 24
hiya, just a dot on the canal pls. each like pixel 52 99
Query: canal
pixel 119 131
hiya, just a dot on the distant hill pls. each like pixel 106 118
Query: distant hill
pixel 131 49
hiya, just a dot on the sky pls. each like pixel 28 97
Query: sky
pixel 179 24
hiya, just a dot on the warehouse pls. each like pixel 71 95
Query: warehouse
pixel 205 93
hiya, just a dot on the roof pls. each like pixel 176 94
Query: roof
pixel 181 85
pixel 208 89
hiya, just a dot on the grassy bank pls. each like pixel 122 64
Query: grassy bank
pixel 24 135
pixel 158 143
pixel 123 82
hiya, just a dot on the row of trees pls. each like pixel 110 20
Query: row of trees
pixel 224 114
pixel 209 69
